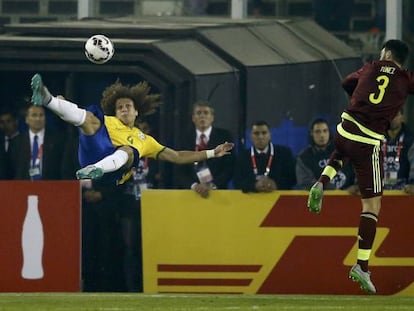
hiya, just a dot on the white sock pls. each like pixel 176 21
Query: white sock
pixel 113 162
pixel 67 111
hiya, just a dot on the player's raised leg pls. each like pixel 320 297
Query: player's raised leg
pixel 121 157
pixel 66 110
pixel 40 94
pixel 366 236
pixel 316 191
pixel 315 198
pixel 89 172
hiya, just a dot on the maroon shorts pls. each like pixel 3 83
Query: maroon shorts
pixel 366 159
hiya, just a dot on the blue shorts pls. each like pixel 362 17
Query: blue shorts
pixel 93 148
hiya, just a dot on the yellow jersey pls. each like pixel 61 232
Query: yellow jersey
pixel 123 135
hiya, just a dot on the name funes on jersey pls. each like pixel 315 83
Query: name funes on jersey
pixel 387 69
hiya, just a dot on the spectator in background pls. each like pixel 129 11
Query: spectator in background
pixel 312 160
pixel 148 166
pixel 206 175
pixel 398 152
pixel 195 7
pixel 37 153
pixel 70 162
pixel 101 237
pixel 3 165
pixel 102 244
pixel 9 128
pixel 8 131
pixel 264 167
pixel 101 271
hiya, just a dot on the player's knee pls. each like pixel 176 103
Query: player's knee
pixel 337 164
pixel 91 124
pixel 129 152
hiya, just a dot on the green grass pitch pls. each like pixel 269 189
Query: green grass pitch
pixel 143 302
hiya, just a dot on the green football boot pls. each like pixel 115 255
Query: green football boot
pixel 315 198
pixel 362 278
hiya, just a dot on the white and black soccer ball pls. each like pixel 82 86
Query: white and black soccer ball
pixel 99 49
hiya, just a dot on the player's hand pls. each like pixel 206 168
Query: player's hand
pixel 265 185
pixel 223 149
pixel 202 189
pixel 270 184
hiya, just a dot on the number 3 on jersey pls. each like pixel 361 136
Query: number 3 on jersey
pixel 382 85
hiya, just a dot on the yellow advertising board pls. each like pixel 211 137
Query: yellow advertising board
pixel 254 243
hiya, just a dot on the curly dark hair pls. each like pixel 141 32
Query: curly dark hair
pixel 144 102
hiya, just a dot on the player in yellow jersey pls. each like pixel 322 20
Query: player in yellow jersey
pixel 109 143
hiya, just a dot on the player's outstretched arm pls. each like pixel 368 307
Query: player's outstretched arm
pixel 186 156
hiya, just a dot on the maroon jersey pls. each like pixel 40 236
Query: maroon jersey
pixel 378 91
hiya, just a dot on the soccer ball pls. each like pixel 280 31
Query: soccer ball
pixel 99 49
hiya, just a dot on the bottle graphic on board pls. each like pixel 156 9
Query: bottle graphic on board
pixel 32 241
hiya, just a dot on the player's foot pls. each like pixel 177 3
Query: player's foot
pixel 315 198
pixel 89 172
pixel 362 278
pixel 40 94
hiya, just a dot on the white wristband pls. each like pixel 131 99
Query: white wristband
pixel 210 153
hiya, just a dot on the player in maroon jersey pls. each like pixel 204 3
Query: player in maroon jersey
pixel 378 91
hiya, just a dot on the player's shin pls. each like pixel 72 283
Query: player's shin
pixel 327 175
pixel 113 162
pixel 366 236
pixel 67 111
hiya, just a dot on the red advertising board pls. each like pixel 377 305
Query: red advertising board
pixel 40 250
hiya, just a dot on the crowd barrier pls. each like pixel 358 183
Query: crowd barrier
pixel 270 244
pixel 40 249
pixel 229 243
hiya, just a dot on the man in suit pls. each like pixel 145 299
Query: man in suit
pixel 3 164
pixel 212 173
pixel 8 127
pixel 9 131
pixel 37 153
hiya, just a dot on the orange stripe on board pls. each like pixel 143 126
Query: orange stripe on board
pixel 205 282
pixel 209 268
